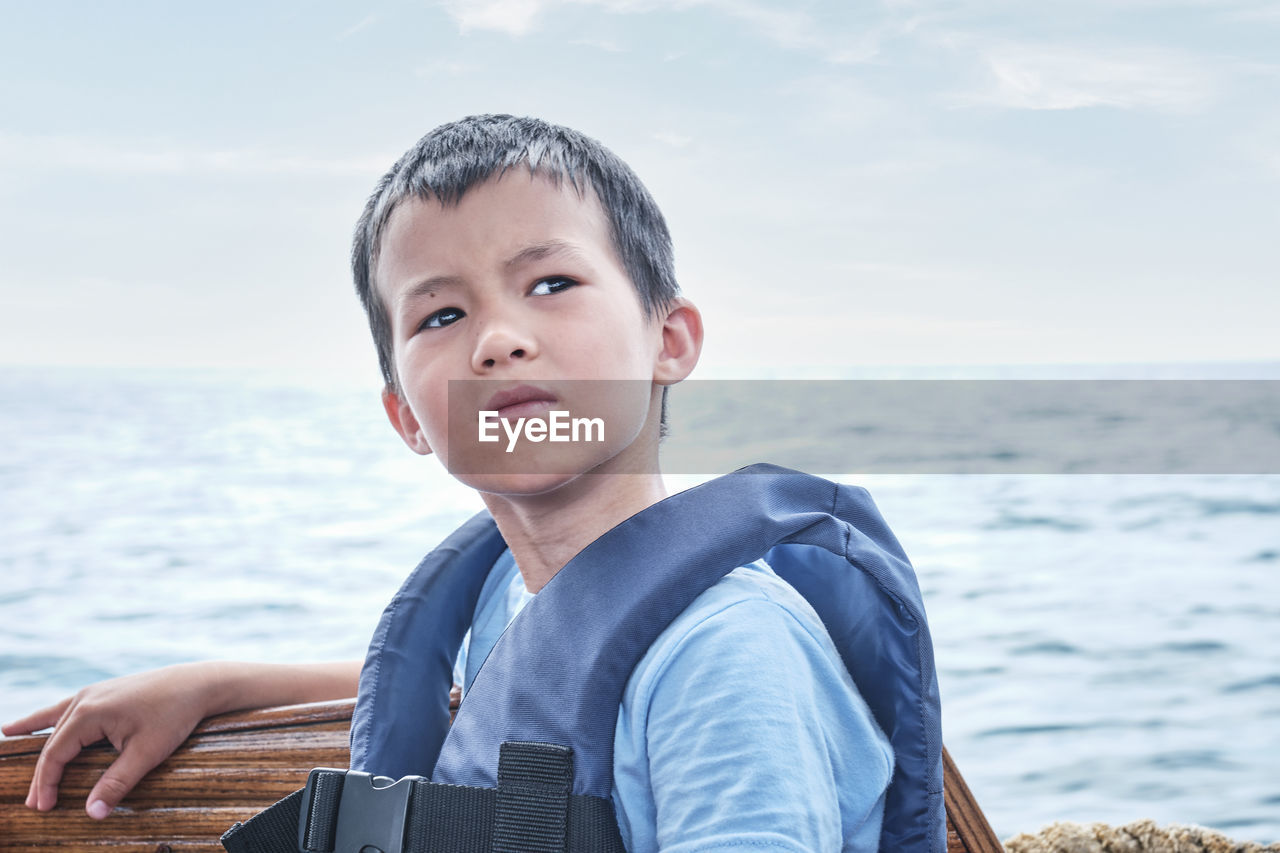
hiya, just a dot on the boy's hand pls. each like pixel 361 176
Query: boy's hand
pixel 145 716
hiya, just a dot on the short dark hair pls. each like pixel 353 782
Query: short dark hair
pixel 454 157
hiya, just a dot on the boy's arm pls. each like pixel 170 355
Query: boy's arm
pixel 148 715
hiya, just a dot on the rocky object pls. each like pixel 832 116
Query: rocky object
pixel 1141 836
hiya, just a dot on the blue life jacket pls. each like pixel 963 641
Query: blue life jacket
pixel 559 671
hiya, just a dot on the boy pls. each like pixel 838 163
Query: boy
pixel 527 258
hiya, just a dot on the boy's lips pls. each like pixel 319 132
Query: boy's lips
pixel 520 401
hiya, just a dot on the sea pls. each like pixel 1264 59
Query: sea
pixel 1108 644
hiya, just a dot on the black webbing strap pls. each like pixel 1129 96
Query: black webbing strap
pixel 533 798
pixel 275 829
pixel 531 811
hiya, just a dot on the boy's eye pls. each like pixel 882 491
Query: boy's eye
pixel 441 318
pixel 554 284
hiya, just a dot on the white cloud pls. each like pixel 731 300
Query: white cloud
pixel 514 17
pixel 600 44
pixel 364 22
pixel 790 28
pixel 1052 77
pixel 675 140
pixel 795 29
pixel 1269 158
pixel 1267 13
pixel 445 67
pixel 1261 147
pixel 159 158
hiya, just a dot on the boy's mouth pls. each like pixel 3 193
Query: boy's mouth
pixel 521 401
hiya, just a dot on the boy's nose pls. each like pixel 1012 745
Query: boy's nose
pixel 500 346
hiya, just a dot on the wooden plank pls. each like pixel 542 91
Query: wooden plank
pixel 967 828
pixel 234 766
pixel 231 768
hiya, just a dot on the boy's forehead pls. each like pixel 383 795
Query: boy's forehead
pixel 493 222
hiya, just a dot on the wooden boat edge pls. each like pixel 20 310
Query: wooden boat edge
pixel 236 764
pixel 284 716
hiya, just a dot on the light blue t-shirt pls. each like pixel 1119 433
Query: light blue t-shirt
pixel 740 728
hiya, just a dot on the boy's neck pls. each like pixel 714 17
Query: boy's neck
pixel 545 532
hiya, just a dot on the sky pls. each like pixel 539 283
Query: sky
pixel 872 183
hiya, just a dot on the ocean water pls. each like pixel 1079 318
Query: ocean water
pixel 1108 645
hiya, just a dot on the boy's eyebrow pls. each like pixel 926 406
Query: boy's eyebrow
pixel 428 286
pixel 529 254
pixel 539 251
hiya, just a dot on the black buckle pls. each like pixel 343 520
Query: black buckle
pixel 372 811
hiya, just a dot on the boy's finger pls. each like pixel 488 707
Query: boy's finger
pixel 63 745
pixel 37 720
pixel 117 781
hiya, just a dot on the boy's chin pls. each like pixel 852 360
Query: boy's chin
pixel 535 471
pixel 516 485
pixel 524 472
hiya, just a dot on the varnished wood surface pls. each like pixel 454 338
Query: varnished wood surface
pixel 234 766
pixel 967 828
pixel 231 768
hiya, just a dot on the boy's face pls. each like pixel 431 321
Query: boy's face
pixel 518 284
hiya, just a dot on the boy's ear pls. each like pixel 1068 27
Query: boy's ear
pixel 681 342
pixel 404 422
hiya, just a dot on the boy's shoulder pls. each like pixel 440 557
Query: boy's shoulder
pixel 750 595
pixel 750 623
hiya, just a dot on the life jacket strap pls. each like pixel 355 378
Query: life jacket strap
pixel 531 811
